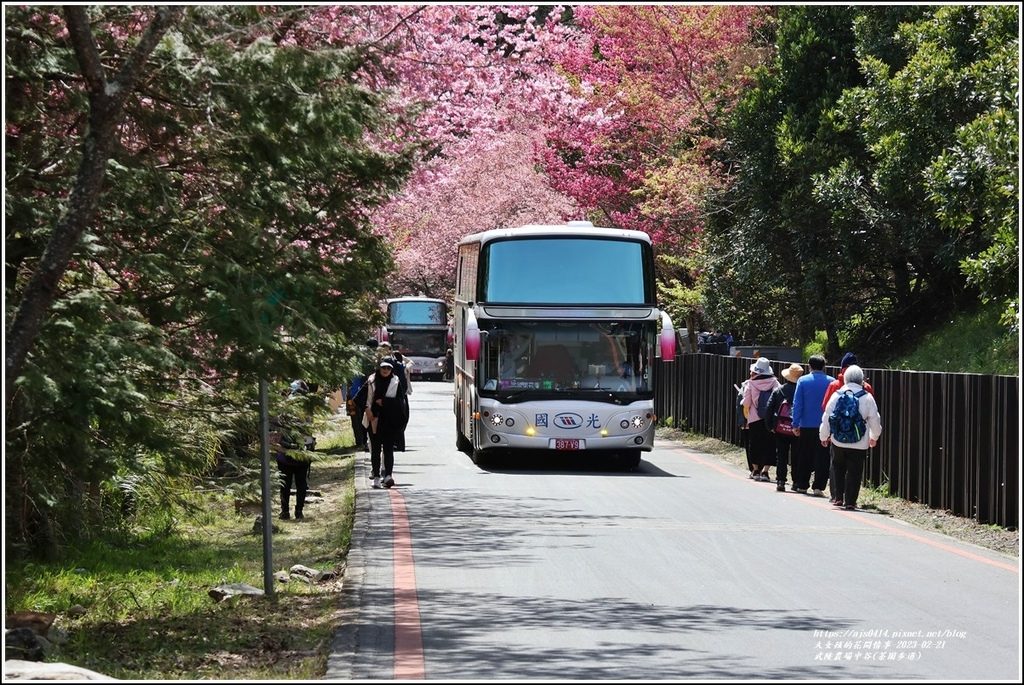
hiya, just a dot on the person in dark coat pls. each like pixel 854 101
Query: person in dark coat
pixel 383 419
pixel 449 365
pixel 292 465
pixel 401 365
pixel 355 406
pixel 785 444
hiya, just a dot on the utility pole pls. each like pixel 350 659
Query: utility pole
pixel 268 494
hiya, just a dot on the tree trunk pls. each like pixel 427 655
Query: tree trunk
pixel 15 509
pixel 106 103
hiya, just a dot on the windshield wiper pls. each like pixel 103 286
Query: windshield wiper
pixel 527 395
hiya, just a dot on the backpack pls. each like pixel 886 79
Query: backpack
pixel 354 387
pixel 762 403
pixel 741 415
pixel 845 422
pixel 784 420
pixel 400 371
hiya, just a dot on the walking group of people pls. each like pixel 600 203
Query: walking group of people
pixel 377 402
pixel 378 405
pixel 803 422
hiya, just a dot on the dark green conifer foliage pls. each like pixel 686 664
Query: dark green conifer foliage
pixel 232 243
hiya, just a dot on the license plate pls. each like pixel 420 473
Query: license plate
pixel 567 444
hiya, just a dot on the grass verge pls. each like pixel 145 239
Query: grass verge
pixel 145 609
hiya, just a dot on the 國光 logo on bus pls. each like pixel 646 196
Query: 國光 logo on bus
pixel 568 420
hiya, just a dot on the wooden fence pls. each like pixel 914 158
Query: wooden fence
pixel 949 440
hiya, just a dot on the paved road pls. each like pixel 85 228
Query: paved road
pixel 684 569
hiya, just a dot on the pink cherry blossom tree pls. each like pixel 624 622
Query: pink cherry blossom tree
pixel 498 185
pixel 479 76
pixel 652 84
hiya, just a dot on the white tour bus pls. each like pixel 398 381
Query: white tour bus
pixel 418 327
pixel 556 331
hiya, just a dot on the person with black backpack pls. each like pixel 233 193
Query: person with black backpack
pixel 780 422
pixel 852 425
pixel 401 364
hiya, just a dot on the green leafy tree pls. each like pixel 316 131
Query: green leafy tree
pixel 974 184
pixel 876 176
pixel 774 270
pixel 930 194
pixel 224 238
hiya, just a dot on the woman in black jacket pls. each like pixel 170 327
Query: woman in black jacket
pixel 383 419
pixel 780 408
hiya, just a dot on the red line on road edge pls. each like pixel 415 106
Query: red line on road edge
pixel 876 524
pixel 408 636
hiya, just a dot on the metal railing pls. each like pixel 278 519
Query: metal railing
pixel 949 440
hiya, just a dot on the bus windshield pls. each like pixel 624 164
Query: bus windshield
pixel 589 271
pixel 418 343
pixel 588 357
pixel 417 313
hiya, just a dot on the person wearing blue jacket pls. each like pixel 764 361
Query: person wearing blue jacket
pixel 810 455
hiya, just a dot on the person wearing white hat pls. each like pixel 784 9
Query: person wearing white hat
pixel 383 419
pixel 755 399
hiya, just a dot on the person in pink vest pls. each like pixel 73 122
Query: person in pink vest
pixel 755 399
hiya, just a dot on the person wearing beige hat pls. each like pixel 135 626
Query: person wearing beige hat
pixel 755 399
pixel 779 417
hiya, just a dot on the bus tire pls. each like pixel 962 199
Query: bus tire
pixel 462 444
pixel 478 456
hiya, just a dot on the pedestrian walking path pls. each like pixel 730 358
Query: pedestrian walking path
pixel 379 636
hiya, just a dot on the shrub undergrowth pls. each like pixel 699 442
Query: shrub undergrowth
pixel 140 608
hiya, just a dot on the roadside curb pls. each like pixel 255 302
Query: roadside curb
pixel 341 660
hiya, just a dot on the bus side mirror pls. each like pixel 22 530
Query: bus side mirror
pixel 472 337
pixel 668 339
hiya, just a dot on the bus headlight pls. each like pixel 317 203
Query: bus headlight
pixel 497 419
pixel 637 422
